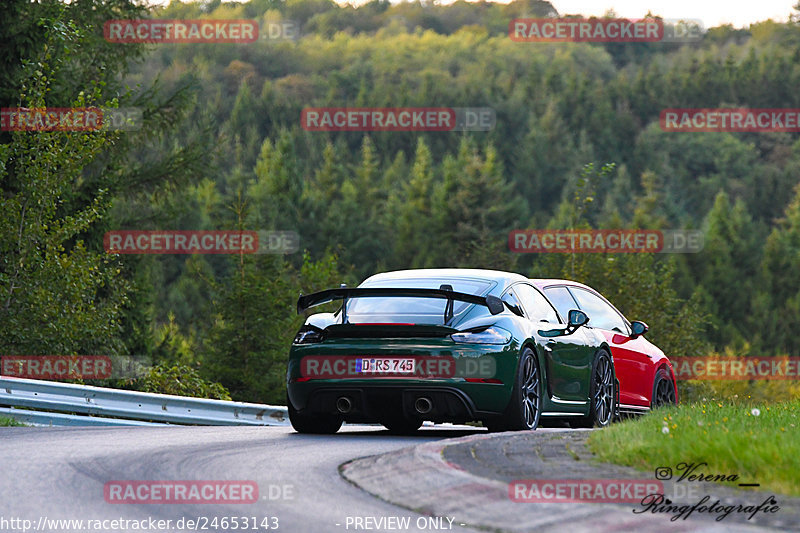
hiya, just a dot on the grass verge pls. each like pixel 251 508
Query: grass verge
pixel 9 422
pixel 758 444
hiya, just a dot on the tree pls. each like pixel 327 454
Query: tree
pixel 780 314
pixel 364 241
pixel 85 56
pixel 57 295
pixel 255 321
pixel 277 189
pixel 71 183
pixel 726 271
pixel 474 208
pixel 321 198
pixel 413 242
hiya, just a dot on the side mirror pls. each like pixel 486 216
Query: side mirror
pixel 577 318
pixel 638 329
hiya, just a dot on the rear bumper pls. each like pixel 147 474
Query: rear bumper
pixel 373 403
pixel 453 376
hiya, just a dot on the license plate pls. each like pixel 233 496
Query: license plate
pixel 385 365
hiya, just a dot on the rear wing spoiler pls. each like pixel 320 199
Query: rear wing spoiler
pixel 493 303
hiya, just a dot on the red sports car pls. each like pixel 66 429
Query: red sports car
pixel 646 377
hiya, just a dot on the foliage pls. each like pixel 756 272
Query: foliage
pixel 179 380
pixel 58 295
pixel 254 322
pixel 577 143
pixel 10 422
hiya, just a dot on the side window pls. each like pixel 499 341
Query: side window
pixel 537 305
pixel 562 300
pixel 601 315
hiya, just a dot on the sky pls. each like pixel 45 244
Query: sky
pixel 711 12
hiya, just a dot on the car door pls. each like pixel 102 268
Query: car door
pixel 568 357
pixel 631 360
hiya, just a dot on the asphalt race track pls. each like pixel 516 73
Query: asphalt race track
pixel 360 479
pixel 55 473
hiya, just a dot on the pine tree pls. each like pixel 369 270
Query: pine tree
pixel 413 240
pixel 474 208
pixel 780 316
pixel 277 189
pixel 726 270
pixel 321 201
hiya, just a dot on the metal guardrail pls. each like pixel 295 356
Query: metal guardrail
pixel 73 404
pixel 43 418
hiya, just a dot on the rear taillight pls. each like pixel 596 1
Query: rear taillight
pixel 309 335
pixel 491 335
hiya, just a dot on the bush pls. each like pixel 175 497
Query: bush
pixel 180 380
pixel 9 422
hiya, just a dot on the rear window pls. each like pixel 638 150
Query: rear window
pixel 411 310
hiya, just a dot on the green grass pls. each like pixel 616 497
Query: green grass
pixel 760 446
pixel 8 422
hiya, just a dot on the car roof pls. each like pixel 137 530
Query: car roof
pixel 541 283
pixel 499 276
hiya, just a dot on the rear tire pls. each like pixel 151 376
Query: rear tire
pixel 603 394
pixel 317 424
pixel 525 406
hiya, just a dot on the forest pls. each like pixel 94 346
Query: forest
pixel 576 143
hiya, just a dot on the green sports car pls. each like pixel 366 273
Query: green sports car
pixel 447 345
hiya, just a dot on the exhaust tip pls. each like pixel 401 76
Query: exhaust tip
pixel 344 405
pixel 423 405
